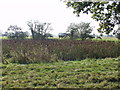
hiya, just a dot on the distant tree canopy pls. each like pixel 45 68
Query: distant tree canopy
pixel 39 30
pixel 15 32
pixel 81 30
pixel 106 13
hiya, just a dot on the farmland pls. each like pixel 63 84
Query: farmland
pixel 60 64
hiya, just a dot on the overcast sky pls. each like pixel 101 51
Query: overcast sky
pixel 18 12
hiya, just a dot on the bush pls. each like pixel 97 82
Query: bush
pixel 27 52
pixel 35 51
pixel 34 55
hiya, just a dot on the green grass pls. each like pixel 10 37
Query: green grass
pixel 103 39
pixel 108 39
pixel 88 73
pixel 3 37
pixel 8 38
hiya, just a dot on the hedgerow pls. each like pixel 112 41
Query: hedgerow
pixel 35 51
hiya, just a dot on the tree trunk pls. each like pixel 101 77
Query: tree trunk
pixel 32 33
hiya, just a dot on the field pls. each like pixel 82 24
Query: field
pixel 88 73
pixel 60 64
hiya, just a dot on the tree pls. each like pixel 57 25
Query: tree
pixel 81 30
pixel 15 32
pixel 117 32
pixel 72 29
pixel 39 30
pixel 106 13
pixel 118 35
pixel 23 35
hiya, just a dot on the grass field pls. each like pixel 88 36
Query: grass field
pixel 88 73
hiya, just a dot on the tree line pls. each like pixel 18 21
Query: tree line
pixel 39 30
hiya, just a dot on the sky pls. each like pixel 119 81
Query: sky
pixel 18 12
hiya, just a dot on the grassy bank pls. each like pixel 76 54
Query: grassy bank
pixel 88 73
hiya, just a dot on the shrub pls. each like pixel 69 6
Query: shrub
pixel 35 51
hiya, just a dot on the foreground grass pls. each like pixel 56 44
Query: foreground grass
pixel 89 73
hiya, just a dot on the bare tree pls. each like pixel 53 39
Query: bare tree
pixel 38 29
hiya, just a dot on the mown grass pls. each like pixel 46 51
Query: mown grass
pixel 88 73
